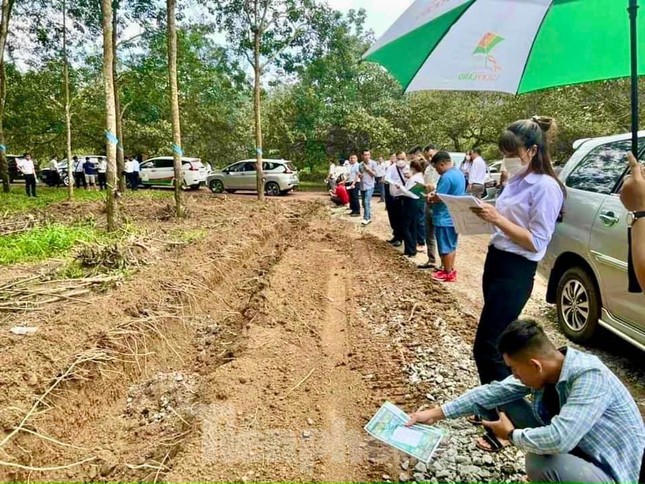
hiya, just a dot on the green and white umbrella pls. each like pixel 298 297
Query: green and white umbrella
pixel 513 46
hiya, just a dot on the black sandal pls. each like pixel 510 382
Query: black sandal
pixel 494 443
pixel 475 420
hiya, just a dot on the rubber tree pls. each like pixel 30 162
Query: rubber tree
pixel 268 33
pixel 7 8
pixel 68 109
pixel 110 111
pixel 174 104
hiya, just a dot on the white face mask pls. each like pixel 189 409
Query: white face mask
pixel 514 166
pixel 401 163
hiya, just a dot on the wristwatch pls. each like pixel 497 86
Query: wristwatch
pixel 632 217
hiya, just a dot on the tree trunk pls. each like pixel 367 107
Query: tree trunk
pixel 108 79
pixel 257 105
pixel 7 6
pixel 120 154
pixel 68 112
pixel 174 102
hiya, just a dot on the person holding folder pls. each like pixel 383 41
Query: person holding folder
pixel 453 183
pixel 413 207
pixel 525 217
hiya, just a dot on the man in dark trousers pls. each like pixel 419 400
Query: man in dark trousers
pixel 393 201
pixel 27 168
pixel 353 186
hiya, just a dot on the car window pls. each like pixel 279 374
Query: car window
pixel 164 163
pixel 266 166
pixel 602 169
pixel 146 165
pixel 249 167
pixel 291 166
pixel 235 168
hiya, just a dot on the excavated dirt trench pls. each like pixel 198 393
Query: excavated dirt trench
pixel 258 353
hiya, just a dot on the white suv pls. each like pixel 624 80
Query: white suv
pixel 160 172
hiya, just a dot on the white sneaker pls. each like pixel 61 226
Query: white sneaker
pixel 366 222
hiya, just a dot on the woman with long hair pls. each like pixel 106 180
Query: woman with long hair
pixel 525 217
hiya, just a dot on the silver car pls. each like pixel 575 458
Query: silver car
pixel 281 177
pixel 586 263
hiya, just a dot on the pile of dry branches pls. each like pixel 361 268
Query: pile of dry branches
pixel 16 225
pixel 36 292
pixel 113 256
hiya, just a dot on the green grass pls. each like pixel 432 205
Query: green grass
pixel 44 242
pixel 16 201
pixel 312 187
pixel 54 240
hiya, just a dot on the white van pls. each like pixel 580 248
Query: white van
pixel 160 172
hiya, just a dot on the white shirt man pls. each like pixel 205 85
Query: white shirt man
pixel 129 166
pixel 26 166
pixel 102 168
pixel 477 175
pixel 53 164
pixel 135 165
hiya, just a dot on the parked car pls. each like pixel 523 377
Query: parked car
pixel 586 262
pixel 160 172
pixel 281 177
pixel 495 171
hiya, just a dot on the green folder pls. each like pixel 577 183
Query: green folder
pixel 419 189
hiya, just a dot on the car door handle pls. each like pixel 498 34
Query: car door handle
pixel 609 218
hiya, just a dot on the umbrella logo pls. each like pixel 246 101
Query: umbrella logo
pixel 485 46
pixel 491 69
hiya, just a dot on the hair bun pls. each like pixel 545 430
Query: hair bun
pixel 544 122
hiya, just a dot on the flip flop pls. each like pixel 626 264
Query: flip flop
pixel 474 420
pixel 494 445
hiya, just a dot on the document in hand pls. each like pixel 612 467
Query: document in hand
pixel 419 189
pixel 466 222
pixel 419 441
pixel 408 193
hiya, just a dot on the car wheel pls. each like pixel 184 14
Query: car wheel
pixel 272 189
pixel 216 186
pixel 578 305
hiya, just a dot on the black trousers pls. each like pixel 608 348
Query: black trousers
pixel 102 179
pixel 507 284
pixel 394 207
pixel 412 211
pixel 79 179
pixel 354 200
pixel 30 185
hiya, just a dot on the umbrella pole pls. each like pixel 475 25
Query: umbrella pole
pixel 633 16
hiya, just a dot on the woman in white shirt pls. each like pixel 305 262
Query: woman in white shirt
pixel 413 210
pixel 525 217
pixel 465 165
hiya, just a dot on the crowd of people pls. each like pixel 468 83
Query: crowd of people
pixel 89 173
pixel 410 184
pixel 579 422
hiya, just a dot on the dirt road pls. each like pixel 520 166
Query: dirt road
pixel 256 353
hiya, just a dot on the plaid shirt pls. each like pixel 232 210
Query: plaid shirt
pixel 597 416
